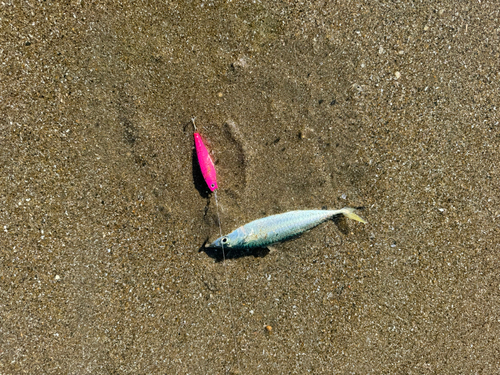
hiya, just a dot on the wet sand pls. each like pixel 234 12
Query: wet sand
pixel 103 212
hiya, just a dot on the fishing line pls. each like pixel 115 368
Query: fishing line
pixel 227 283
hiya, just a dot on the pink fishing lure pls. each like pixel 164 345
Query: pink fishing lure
pixel 206 164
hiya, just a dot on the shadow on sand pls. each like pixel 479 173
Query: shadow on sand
pixel 217 255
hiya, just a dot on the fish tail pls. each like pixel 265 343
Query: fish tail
pixel 349 212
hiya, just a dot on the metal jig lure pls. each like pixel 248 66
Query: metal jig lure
pixel 205 161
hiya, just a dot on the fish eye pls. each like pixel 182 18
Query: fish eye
pixel 224 240
pixel 212 186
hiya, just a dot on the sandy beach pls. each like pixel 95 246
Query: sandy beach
pixel 391 107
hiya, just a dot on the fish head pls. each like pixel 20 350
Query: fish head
pixel 219 242
pixel 230 241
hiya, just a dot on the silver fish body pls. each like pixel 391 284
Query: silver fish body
pixel 276 228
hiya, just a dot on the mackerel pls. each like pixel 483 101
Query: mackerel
pixel 277 228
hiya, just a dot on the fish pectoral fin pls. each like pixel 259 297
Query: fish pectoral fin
pixel 251 237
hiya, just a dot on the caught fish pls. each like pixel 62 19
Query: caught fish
pixel 206 164
pixel 277 228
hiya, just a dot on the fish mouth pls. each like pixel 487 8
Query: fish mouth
pixel 212 244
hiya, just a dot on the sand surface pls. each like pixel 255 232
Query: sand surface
pixel 392 107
